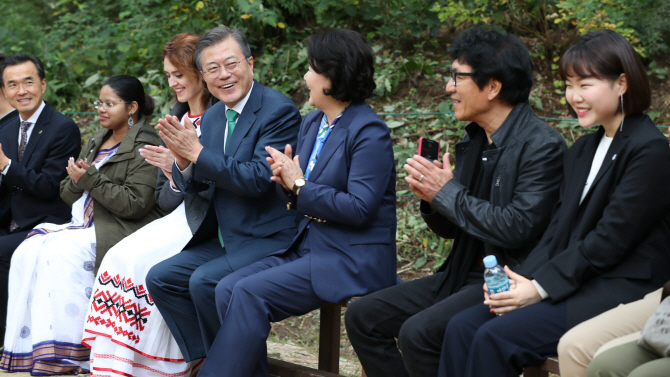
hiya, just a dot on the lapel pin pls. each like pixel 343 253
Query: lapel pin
pixel 614 157
pixel 39 133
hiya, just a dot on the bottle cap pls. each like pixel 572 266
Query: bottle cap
pixel 490 261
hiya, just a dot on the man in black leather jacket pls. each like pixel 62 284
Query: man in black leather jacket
pixel 498 202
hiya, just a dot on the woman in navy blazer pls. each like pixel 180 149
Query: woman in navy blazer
pixel 345 244
pixel 609 238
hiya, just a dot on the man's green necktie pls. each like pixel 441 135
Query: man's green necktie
pixel 231 115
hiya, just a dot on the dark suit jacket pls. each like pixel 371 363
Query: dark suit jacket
pixel 10 117
pixel 614 247
pixel 252 220
pixel 31 186
pixel 351 196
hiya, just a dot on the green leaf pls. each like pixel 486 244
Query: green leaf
pixel 420 262
pixel 444 107
pixel 395 124
pixel 91 80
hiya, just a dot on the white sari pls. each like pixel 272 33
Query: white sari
pixel 50 282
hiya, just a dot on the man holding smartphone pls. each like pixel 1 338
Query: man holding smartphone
pixel 498 201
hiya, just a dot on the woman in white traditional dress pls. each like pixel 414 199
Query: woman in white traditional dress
pixel 111 191
pixel 124 329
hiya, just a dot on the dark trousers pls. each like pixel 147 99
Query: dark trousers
pixel 8 243
pixel 183 289
pixel 411 313
pixel 478 343
pixel 269 290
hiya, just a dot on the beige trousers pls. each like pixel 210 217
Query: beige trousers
pixel 620 325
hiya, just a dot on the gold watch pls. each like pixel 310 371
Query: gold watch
pixel 299 182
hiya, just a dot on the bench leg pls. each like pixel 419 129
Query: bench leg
pixel 329 338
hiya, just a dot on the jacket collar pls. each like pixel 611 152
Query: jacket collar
pixel 39 130
pixel 246 118
pixel 618 143
pixel 335 139
pixel 510 127
pixel 128 142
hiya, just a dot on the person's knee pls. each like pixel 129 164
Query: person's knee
pixel 357 315
pixel 600 367
pixel 418 335
pixel 571 348
pixel 223 293
pixel 200 285
pixel 155 281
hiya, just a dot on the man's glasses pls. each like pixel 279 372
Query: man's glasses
pixel 213 71
pixel 455 74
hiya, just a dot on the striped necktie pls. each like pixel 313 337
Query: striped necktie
pixel 24 139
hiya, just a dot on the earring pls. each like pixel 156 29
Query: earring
pixel 130 120
pixel 622 113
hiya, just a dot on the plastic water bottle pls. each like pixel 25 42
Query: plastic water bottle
pixel 494 275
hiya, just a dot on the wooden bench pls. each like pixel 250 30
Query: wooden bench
pixel 549 366
pixel 329 348
pixel 329 352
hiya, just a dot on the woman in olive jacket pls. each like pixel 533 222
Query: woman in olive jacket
pixel 111 191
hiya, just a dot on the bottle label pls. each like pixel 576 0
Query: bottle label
pixel 500 288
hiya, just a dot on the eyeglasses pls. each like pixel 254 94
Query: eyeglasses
pixel 213 71
pixel 455 74
pixel 107 105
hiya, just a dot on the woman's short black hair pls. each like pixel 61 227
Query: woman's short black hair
pixel 605 54
pixel 130 89
pixel 344 57
pixel 494 55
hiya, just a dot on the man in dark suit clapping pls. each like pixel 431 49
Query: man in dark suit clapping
pixel 34 149
pixel 230 163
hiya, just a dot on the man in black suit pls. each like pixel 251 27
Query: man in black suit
pixel 34 150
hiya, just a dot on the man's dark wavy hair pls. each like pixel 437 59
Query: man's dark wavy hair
pixel 494 55
pixel 344 57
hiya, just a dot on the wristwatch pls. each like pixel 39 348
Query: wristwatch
pixel 299 182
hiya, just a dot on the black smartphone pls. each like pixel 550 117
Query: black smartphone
pixel 429 149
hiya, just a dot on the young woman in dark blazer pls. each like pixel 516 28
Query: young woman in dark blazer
pixel 609 238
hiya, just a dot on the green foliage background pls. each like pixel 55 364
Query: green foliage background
pixel 83 42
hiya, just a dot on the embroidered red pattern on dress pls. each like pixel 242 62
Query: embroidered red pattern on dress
pixel 135 365
pixel 111 310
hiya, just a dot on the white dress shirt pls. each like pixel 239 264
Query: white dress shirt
pixel 33 119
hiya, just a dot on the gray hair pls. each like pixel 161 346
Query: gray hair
pixel 218 35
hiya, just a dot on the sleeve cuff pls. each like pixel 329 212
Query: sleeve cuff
pixel 540 290
pixel 174 189
pixel 187 173
pixel 4 172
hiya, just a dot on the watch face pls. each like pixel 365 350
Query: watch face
pixel 300 181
